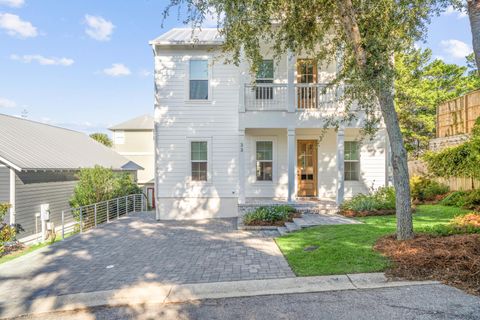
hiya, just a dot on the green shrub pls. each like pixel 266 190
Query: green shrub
pixel 425 189
pixel 472 200
pixel 454 199
pixel 464 224
pixel 381 199
pixel 269 214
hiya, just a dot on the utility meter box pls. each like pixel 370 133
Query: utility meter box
pixel 45 212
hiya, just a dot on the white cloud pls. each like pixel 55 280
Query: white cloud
pixel 15 26
pixel 52 61
pixel 455 48
pixel 451 11
pixel 12 3
pixel 117 70
pixel 98 28
pixel 7 103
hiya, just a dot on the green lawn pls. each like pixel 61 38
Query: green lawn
pixel 348 248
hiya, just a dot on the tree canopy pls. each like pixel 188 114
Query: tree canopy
pixel 421 85
pixel 102 138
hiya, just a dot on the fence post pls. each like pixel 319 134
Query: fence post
pixel 126 205
pixel 141 198
pixel 108 217
pixel 134 203
pixel 118 208
pixel 63 225
pixel 95 213
pixel 81 220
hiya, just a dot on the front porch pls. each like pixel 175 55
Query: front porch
pixel 308 167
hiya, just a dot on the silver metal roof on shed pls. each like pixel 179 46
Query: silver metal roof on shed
pixel 186 36
pixel 144 122
pixel 30 145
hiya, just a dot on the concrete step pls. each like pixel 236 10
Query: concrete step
pixel 282 230
pixel 292 226
pixel 302 223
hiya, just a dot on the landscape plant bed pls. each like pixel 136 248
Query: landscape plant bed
pixel 271 216
pixel 371 213
pixel 278 223
pixel 453 260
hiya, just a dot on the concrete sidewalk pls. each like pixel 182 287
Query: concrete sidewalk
pixel 154 293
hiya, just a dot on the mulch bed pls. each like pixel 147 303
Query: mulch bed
pixel 11 248
pixel 453 260
pixel 278 223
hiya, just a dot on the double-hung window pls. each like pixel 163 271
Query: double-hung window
pixel 199 159
pixel 264 150
pixel 198 80
pixel 352 160
pixel 264 76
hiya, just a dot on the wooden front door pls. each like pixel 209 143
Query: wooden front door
pixel 306 84
pixel 307 168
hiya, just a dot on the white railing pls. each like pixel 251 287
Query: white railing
pixel 274 97
pixel 84 218
pixel 266 97
pixel 315 96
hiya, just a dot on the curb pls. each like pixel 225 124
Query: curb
pixel 156 293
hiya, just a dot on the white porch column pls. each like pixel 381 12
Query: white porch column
pixel 241 167
pixel 291 62
pixel 291 143
pixel 242 80
pixel 12 197
pixel 340 165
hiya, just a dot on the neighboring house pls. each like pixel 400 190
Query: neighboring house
pixel 38 163
pixel 134 139
pixel 225 138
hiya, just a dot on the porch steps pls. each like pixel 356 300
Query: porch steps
pixel 314 219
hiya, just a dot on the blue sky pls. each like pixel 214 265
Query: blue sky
pixel 86 64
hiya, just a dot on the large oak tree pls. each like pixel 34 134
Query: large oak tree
pixel 363 36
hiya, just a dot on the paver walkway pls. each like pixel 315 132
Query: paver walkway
pixel 138 249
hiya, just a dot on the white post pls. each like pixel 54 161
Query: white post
pixel 108 217
pixel 242 80
pixel 291 62
pixel 291 164
pixel 63 225
pixel 340 165
pixel 12 197
pixel 241 167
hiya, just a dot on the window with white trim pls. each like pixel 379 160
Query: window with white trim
pixel 264 75
pixel 198 80
pixel 352 161
pixel 264 151
pixel 199 160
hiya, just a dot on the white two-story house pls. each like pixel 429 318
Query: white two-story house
pixel 225 137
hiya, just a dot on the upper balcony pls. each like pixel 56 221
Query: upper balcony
pixel 275 97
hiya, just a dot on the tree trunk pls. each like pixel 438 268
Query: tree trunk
pixel 474 15
pixel 399 165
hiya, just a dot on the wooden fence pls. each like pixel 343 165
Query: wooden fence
pixel 458 116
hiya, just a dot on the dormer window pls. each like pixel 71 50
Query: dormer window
pixel 198 78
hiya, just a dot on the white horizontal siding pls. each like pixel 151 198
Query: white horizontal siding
pixel 4 184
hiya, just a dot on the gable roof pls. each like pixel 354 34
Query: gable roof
pixel 29 145
pixel 144 122
pixel 185 36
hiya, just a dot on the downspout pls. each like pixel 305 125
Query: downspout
pixel 12 196
pixel 155 162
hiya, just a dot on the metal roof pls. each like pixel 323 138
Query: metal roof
pixel 184 36
pixel 144 122
pixel 30 145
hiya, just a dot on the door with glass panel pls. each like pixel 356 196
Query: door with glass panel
pixel 306 84
pixel 307 168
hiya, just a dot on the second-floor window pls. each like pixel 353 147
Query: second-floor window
pixel 352 160
pixel 264 160
pixel 264 75
pixel 198 80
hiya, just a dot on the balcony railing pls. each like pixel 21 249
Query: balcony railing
pixel 274 97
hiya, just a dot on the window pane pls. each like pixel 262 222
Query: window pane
pixel 198 89
pixel 352 171
pixel 265 71
pixel 199 171
pixel 199 151
pixel 264 150
pixel 351 150
pixel 264 171
pixel 198 69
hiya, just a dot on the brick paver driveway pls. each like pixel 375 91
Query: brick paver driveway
pixel 138 249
